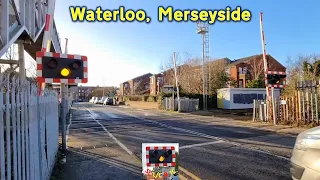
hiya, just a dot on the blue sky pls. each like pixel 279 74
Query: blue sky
pixel 120 51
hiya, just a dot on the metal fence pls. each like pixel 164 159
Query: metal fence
pixel 186 104
pixel 28 131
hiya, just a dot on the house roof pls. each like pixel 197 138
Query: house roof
pixel 138 77
pixel 243 60
pixel 198 66
pixel 249 58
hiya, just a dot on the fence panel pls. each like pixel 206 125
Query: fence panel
pixel 28 130
pixel 300 109
pixel 2 150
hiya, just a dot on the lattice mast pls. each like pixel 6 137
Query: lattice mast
pixel 203 30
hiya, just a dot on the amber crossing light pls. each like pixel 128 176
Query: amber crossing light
pixel 65 72
pixel 161 159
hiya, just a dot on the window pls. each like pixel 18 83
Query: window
pixel 146 86
pixel 245 70
pixel 82 90
pixel 240 70
pixel 228 71
pixel 160 79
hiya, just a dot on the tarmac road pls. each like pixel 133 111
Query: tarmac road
pixel 208 150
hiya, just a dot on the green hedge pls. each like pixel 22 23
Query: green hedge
pixel 144 98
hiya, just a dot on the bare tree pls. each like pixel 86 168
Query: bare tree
pixel 190 76
pixel 256 68
pixel 11 54
pixel 32 71
pixel 137 86
pixel 303 67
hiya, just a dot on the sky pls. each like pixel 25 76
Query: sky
pixel 119 51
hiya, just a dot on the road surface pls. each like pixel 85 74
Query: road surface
pixel 208 150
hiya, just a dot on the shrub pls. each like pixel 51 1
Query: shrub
pixel 145 98
pixel 152 99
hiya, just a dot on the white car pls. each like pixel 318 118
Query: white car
pixel 305 159
pixel 95 101
pixel 92 99
pixel 102 100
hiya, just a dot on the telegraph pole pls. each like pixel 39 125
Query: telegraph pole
pixel 103 87
pixel 176 77
pixel 22 69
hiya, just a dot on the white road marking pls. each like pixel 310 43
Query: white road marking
pixel 114 138
pixel 67 133
pixel 200 144
pixel 113 116
pixel 127 150
pixel 205 135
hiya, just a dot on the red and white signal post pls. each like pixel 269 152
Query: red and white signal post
pixel 273 79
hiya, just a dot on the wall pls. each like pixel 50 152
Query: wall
pixel 153 85
pixel 143 105
pixel 131 85
pixel 240 98
pixel 121 89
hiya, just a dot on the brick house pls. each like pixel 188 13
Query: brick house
pixel 156 82
pixel 248 68
pixel 136 86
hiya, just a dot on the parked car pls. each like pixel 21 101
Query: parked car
pixel 108 101
pixel 96 100
pixel 305 159
pixel 92 99
pixel 101 100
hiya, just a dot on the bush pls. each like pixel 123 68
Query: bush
pixel 152 99
pixel 145 98
pixel 135 98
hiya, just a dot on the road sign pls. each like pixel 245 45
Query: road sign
pixel 61 68
pixel 159 160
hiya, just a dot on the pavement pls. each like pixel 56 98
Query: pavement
pixel 104 142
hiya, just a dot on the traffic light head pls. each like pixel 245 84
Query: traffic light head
pixel 275 78
pixel 64 68
pixel 160 156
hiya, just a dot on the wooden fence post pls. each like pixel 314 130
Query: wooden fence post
pixel 303 102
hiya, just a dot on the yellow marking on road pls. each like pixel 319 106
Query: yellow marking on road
pixel 182 177
pixel 189 173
